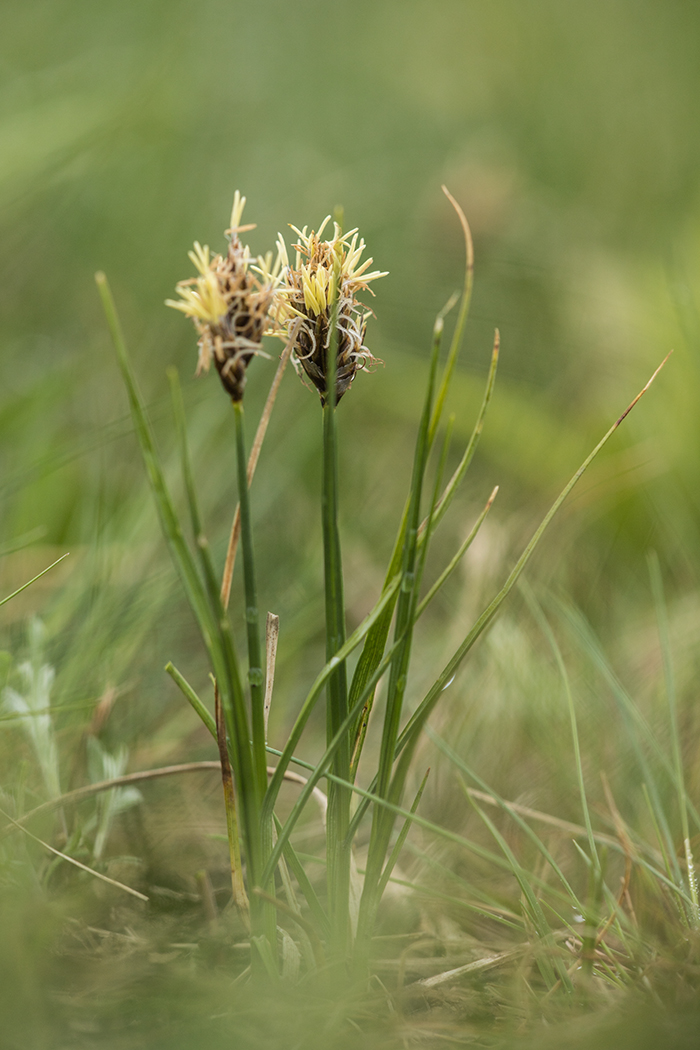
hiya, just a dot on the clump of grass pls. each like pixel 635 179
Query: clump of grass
pixel 555 922
pixel 314 305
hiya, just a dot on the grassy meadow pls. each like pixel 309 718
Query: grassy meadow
pixel 545 895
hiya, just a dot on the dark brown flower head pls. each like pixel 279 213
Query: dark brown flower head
pixel 327 276
pixel 229 303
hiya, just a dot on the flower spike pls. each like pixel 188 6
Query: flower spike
pixel 325 272
pixel 229 303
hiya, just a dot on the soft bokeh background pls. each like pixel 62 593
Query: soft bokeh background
pixel 568 131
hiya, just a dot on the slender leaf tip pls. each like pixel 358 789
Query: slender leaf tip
pixel 465 226
pixel 643 390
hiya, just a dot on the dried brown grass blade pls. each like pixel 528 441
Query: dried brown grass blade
pixel 81 793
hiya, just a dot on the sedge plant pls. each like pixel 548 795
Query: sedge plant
pixel 311 300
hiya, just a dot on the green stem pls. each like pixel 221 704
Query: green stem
pixel 255 660
pixel 239 896
pixel 338 818
pixel 263 917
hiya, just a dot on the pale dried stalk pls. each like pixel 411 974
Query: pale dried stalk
pixel 271 635
pixel 240 897
pixel 252 464
pixel 71 797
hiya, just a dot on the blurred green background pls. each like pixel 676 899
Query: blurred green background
pixel 569 133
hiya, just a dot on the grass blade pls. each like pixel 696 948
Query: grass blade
pixel 534 908
pixel 297 869
pixel 635 720
pixel 411 732
pixel 34 579
pixel 212 622
pixel 73 861
pixel 192 698
pixel 238 893
pixel 312 697
pixel 465 462
pixel 507 808
pixel 398 845
pixel 544 626
pixel 376 641
pixel 669 678
pixel 415 723
pixel 169 522
pixel 382 822
pixel 464 547
pixel 461 318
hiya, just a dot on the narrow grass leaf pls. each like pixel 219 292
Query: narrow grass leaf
pixel 669 678
pixel 376 640
pixel 310 896
pixel 417 720
pixel 382 821
pixel 465 462
pixel 400 840
pixel 74 862
pixel 635 721
pixel 464 547
pixel 513 814
pixel 544 626
pixel 214 628
pixel 461 317
pixel 536 914
pixel 312 697
pixel 192 698
pixel 34 579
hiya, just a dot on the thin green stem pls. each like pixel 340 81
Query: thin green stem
pixel 263 917
pixel 255 658
pixel 591 909
pixel 337 851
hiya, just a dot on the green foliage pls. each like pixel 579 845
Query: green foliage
pixel 515 884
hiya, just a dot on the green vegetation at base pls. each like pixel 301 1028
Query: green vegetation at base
pixel 536 887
